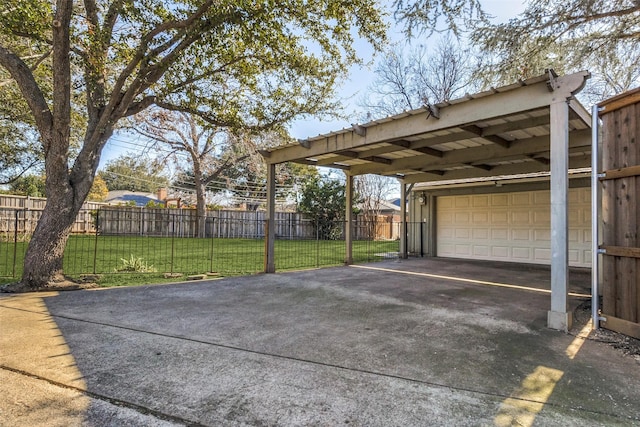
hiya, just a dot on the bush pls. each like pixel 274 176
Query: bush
pixel 135 264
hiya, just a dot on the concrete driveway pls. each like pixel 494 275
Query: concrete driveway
pixel 411 343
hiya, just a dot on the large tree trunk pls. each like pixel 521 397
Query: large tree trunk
pixel 43 260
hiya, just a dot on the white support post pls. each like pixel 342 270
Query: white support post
pixel 348 216
pixel 559 317
pixel 403 215
pixel 270 226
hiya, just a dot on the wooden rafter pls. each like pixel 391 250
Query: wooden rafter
pixel 429 151
pixel 483 154
pixel 491 138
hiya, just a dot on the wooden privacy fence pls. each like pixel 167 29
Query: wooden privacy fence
pixel 118 220
pixel 19 216
pixel 376 227
pixel 20 223
pixel 183 223
pixel 36 203
pixel 621 213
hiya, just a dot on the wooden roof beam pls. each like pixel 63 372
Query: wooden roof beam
pixel 528 123
pixel 491 138
pixel 577 111
pixel 330 160
pixel 520 148
pixel 511 169
pixel 337 166
pixel 328 165
pixel 429 151
pixel 480 166
pixel 541 160
pixel 403 143
pixel 376 159
pixel 432 172
pixel 348 154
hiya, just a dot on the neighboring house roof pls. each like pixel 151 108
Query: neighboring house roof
pixel 384 206
pixel 396 202
pixel 123 196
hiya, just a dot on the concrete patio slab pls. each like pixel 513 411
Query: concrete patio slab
pixel 417 342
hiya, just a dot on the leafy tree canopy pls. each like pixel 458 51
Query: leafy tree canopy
pixel 323 201
pixel 99 190
pixel 28 185
pixel 134 173
pixel 19 148
pixel 567 35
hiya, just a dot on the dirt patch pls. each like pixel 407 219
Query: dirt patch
pixel 64 284
pixel 627 345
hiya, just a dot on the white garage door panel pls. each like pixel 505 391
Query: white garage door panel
pixel 511 227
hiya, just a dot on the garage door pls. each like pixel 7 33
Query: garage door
pixel 511 227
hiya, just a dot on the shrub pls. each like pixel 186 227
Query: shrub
pixel 135 264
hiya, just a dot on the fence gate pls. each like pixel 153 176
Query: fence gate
pixel 620 183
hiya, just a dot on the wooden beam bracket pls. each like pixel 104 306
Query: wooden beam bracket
pixel 432 111
pixel 359 130
pixel 552 83
pixel 305 143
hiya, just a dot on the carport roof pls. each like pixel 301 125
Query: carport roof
pixel 499 132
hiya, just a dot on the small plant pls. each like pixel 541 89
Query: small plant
pixel 151 204
pixel 135 264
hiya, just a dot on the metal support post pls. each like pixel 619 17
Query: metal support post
pixel 559 317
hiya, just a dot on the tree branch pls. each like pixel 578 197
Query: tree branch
pixel 31 92
pixel 62 75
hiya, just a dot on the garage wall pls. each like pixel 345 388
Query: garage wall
pixel 511 227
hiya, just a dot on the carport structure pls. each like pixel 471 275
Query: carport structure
pixel 532 126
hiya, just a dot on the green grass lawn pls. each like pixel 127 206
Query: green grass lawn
pixel 104 255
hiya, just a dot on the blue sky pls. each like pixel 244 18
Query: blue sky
pixel 362 77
